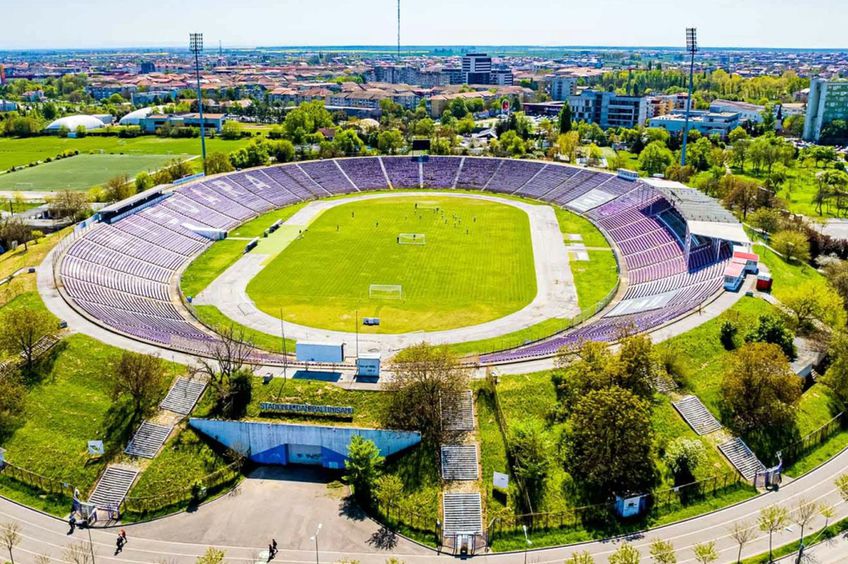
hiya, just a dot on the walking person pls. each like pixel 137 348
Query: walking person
pixel 123 534
pixel 274 546
pixel 72 523
pixel 119 544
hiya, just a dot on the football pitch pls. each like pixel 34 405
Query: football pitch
pixel 80 172
pixel 476 265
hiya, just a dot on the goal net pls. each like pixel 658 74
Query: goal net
pixel 426 205
pixel 385 291
pixel 412 239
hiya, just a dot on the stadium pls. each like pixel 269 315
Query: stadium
pixel 121 270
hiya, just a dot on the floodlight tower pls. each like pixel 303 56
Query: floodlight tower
pixel 691 48
pixel 195 45
pixel 398 30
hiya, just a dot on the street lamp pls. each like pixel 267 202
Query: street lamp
pixel 195 45
pixel 529 543
pixel 691 48
pixel 315 538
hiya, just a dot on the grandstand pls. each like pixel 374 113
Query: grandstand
pixel 672 243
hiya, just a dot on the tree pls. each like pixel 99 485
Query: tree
pixel 772 519
pixel 564 119
pixel 119 188
pixel 283 151
pixel 228 372
pixel 567 144
pixel 739 193
pixel 21 329
pixel 218 162
pixel 531 461
pixel 655 158
pixel 427 379
pixel 626 554
pixel 766 219
pixel 363 467
pixel 80 553
pixel 802 515
pixel 742 533
pixel 143 181
pixel 389 141
pixel 759 389
pixel 305 120
pixel 772 329
pixel 705 552
pixel 609 443
pixel 580 558
pixel 14 231
pixel 682 457
pixel 231 130
pixel 812 303
pixel 388 491
pixel 67 203
pixel 348 143
pixel 793 245
pixel 662 552
pixel 836 377
pixel 141 377
pixel 211 556
pixel 10 536
pixel 842 485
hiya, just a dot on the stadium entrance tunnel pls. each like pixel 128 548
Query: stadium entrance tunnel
pixel 286 443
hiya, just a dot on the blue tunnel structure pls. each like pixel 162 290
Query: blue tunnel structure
pixel 287 443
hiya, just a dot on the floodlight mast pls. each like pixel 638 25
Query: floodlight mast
pixel 195 45
pixel 691 48
pixel 398 30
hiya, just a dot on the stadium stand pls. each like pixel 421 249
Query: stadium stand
pixel 120 273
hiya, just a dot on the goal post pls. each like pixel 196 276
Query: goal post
pixel 412 238
pixel 385 291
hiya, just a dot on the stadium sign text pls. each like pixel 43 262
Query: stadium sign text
pixel 305 408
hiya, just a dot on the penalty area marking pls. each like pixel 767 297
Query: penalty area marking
pixel 412 238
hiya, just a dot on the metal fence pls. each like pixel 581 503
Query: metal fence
pixel 799 448
pixel 658 501
pixel 396 517
pixel 36 481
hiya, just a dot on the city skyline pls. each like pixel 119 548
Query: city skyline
pixel 613 23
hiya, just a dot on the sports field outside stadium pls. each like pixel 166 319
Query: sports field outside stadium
pixel 476 265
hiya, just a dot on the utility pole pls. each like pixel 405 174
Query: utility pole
pixel 691 48
pixel 195 45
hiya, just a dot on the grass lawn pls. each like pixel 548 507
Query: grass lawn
pixel 418 469
pixel 217 258
pixel 453 280
pixel 787 275
pixel 595 278
pixel 80 172
pixel 181 462
pixel 68 407
pixel 12 261
pixel 706 356
pixel 16 152
pixel 212 316
pixel 210 264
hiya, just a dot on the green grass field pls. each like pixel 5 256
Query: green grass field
pixel 80 172
pixel 476 265
pixel 18 152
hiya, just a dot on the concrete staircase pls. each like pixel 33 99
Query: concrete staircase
pixel 697 415
pixel 458 413
pixel 463 513
pixel 148 439
pixel 183 395
pixel 741 457
pixel 459 462
pixel 112 487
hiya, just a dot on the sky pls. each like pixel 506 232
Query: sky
pixel 49 24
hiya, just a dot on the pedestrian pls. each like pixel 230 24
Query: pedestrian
pixel 124 536
pixel 270 552
pixel 119 544
pixel 274 546
pixel 72 523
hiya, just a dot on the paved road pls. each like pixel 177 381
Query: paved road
pixel 555 297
